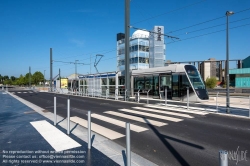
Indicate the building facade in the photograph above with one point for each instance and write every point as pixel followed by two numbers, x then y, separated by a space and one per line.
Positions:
pixel 157 47
pixel 240 78
pixel 211 68
pixel 147 49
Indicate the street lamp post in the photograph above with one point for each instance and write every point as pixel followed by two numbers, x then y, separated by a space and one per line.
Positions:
pixel 228 13
pixel 44 78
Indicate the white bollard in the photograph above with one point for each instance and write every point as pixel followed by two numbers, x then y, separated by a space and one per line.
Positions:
pixel 188 98
pixel 249 107
pixel 138 96
pixel 147 95
pixel 217 101
pixel 125 95
pixel 116 93
pixel 223 158
pixel 68 116
pixel 55 121
pixel 89 129
pixel 166 97
pixel 128 151
pixel 147 98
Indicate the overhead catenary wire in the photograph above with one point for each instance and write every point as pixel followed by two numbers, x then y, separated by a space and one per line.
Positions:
pixel 105 52
pixel 155 32
pixel 169 42
pixel 212 27
pixel 205 22
pixel 171 38
pixel 208 33
pixel 169 12
pixel 90 53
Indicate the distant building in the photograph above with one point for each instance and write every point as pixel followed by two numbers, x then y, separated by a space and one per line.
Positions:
pixel 240 78
pixel 146 49
pixel 211 68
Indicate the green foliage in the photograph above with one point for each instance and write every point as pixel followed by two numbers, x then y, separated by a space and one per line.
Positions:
pixel 23 80
pixel 1 78
pixel 211 82
pixel 20 81
pixel 7 82
pixel 13 78
pixel 37 77
pixel 225 84
pixel 6 77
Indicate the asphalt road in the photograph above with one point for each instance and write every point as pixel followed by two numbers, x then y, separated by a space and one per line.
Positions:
pixel 192 141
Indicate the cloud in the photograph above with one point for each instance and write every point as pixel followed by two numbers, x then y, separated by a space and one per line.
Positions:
pixel 78 43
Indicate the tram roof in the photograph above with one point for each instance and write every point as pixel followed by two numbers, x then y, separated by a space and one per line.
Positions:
pixel 165 69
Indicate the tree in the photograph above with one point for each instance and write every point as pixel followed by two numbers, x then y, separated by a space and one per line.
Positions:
pixel 6 77
pixel 211 82
pixel 27 78
pixel 7 82
pixel 13 78
pixel 1 78
pixel 21 80
pixel 37 77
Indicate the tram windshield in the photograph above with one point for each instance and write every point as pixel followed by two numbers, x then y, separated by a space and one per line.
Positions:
pixel 194 77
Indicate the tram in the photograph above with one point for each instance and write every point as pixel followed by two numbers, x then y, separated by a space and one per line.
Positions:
pixel 175 79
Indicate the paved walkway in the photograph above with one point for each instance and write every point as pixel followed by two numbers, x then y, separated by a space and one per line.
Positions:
pixel 27 135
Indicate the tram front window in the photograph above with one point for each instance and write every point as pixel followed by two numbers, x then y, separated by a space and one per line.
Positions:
pixel 194 77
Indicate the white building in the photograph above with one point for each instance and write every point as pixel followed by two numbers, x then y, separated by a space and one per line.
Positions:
pixel 147 49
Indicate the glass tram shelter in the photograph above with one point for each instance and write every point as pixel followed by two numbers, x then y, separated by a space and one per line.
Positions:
pixel 112 83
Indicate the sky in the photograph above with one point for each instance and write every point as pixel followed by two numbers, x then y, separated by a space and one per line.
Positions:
pixel 80 29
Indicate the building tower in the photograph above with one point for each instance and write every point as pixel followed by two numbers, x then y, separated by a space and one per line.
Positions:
pixel 146 49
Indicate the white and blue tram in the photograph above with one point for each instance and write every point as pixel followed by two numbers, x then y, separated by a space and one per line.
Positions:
pixel 176 78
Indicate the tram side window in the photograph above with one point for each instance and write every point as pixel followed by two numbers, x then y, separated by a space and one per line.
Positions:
pixel 194 77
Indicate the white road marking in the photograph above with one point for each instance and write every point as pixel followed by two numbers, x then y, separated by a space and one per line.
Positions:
pixel 177 109
pixel 97 128
pixel 192 108
pixel 19 92
pixel 163 112
pixel 56 138
pixel 118 123
pixel 139 119
pixel 152 115
pixel 24 92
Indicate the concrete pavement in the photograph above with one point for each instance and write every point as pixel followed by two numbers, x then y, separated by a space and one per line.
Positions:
pixel 18 134
pixel 185 132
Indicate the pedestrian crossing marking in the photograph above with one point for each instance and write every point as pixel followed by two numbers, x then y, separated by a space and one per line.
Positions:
pixel 177 109
pixel 97 128
pixel 163 112
pixel 139 119
pixel 24 92
pixel 118 123
pixel 152 115
pixel 19 92
pixel 56 138
pixel 190 108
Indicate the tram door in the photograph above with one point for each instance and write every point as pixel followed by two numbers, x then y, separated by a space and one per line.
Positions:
pixel 165 83
pixel 175 86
